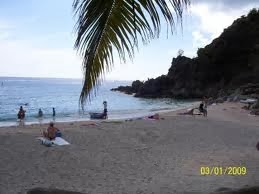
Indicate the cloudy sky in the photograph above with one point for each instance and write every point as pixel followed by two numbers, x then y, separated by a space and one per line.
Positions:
pixel 37 37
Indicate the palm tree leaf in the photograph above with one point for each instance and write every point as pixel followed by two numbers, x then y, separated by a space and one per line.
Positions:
pixel 106 25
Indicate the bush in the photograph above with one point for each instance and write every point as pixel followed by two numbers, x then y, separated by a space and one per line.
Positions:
pixel 253 15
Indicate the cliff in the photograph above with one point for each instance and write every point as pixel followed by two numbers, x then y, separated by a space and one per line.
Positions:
pixel 220 68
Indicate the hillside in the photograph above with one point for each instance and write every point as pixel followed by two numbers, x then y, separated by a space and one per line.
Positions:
pixel 229 62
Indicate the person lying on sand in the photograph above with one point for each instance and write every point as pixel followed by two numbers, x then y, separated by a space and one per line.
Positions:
pixel 188 112
pixel 51 132
pixel 155 116
pixel 151 117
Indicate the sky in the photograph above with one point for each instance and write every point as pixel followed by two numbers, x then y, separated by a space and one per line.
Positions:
pixel 37 38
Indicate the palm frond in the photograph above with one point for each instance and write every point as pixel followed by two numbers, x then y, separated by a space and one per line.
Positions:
pixel 107 25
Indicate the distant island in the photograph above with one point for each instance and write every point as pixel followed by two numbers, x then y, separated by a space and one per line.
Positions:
pixel 226 68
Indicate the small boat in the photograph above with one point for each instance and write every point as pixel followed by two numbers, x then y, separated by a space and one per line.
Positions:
pixel 94 115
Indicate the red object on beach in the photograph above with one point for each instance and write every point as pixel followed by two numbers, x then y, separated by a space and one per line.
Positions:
pixel 257 146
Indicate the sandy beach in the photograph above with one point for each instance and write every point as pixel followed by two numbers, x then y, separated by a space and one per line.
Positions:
pixel 141 156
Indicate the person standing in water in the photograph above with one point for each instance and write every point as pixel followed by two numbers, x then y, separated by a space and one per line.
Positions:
pixel 40 114
pixel 105 110
pixel 21 113
pixel 53 112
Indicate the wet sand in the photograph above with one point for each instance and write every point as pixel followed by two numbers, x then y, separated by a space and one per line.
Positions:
pixel 141 156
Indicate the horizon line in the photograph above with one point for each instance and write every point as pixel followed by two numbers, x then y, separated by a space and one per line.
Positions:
pixel 35 77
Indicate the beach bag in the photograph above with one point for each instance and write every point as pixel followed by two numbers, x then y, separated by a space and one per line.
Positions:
pixel 58 133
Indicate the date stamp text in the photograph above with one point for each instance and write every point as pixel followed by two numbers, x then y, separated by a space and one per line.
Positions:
pixel 220 170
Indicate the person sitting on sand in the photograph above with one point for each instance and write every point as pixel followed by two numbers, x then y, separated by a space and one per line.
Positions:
pixel 51 132
pixel 21 113
pixel 105 116
pixel 40 114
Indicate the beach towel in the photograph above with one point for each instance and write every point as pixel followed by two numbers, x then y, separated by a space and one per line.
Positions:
pixel 57 141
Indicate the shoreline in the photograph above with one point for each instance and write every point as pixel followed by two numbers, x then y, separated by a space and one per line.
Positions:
pixel 67 119
pixel 240 116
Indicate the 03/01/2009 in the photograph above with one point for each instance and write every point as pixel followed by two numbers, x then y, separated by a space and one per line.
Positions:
pixel 220 170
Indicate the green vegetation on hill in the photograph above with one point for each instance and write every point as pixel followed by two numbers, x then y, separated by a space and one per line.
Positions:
pixel 230 61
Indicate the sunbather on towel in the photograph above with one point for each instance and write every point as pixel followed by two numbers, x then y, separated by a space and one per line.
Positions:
pixel 51 132
pixel 188 112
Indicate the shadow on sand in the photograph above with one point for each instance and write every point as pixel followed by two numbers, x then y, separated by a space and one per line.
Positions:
pixel 50 191
pixel 247 190
pixel 251 190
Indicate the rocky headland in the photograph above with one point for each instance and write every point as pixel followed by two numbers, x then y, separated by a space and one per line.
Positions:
pixel 226 69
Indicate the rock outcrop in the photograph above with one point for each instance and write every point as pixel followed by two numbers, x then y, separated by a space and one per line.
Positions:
pixel 228 64
pixel 134 88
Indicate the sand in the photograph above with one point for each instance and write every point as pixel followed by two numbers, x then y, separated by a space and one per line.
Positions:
pixel 139 156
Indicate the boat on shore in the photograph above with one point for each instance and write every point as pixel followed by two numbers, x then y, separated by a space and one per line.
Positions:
pixel 94 115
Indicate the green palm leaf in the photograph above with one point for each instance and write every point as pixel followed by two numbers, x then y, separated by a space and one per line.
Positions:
pixel 107 25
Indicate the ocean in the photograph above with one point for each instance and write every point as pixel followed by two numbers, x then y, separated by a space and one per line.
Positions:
pixel 63 95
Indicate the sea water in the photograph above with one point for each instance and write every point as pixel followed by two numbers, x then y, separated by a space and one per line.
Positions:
pixel 63 95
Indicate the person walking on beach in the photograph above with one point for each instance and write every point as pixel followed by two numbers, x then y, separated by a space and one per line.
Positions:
pixel 203 107
pixel 53 112
pixel 105 110
pixel 40 114
pixel 205 102
pixel 21 113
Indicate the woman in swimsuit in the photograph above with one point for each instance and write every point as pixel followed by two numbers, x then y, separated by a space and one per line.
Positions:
pixel 51 132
